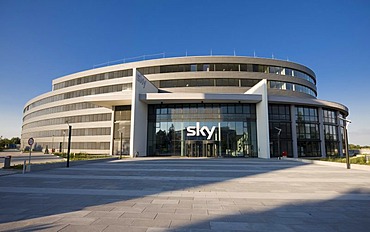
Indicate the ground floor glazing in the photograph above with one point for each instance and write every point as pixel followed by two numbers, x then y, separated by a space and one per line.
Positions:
pixel 229 130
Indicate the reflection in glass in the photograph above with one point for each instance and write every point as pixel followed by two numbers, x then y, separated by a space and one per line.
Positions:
pixel 231 133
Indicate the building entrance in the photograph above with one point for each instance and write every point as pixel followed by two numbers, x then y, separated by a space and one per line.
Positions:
pixel 202 130
pixel 196 148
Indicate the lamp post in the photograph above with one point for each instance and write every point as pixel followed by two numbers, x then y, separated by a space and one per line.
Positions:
pixel 64 135
pixel 120 143
pixel 52 145
pixel 279 132
pixel 345 123
pixel 69 142
pixel 121 135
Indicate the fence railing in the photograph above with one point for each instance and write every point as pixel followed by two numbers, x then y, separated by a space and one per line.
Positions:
pixel 168 55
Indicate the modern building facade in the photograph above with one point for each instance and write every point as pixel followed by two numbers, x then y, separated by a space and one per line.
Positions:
pixel 201 106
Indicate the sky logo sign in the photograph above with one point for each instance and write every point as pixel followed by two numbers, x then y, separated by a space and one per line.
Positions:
pixel 197 131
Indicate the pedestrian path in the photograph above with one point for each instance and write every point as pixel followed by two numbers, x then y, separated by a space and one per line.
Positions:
pixel 172 194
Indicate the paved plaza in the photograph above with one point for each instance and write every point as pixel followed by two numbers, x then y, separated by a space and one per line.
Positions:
pixel 184 194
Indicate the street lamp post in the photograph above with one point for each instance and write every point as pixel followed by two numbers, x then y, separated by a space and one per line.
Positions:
pixel 120 138
pixel 64 135
pixel 52 145
pixel 279 132
pixel 121 134
pixel 69 142
pixel 345 123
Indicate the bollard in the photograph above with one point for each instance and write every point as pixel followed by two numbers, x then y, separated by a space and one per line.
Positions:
pixel 7 161
pixel 24 166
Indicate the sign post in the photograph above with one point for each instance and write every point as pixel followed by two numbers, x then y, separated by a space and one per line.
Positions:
pixel 30 142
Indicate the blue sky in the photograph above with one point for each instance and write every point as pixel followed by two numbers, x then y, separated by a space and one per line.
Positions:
pixel 41 40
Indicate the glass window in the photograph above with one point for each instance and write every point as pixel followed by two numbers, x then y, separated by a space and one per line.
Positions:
pixel 246 68
pixel 248 82
pixel 329 116
pixel 238 134
pixel 306 114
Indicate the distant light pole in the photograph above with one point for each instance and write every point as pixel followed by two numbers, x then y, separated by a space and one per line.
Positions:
pixel 64 135
pixel 279 132
pixel 52 145
pixel 120 138
pixel 69 142
pixel 345 122
pixel 121 135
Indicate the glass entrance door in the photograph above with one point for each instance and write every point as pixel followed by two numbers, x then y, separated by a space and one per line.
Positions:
pixel 196 148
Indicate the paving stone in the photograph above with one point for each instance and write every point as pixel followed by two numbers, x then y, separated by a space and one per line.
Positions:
pixel 115 228
pixel 160 210
pixel 145 215
pixel 113 221
pixel 172 216
pixel 152 223
pixel 80 213
pixel 229 226
pixel 267 227
pixel 102 214
pixel 207 206
pixel 165 202
pixel 172 194
pixel 178 206
pixel 100 208
pixel 76 221
pixel 82 228
pixel 128 209
pixel 191 211
pixel 178 223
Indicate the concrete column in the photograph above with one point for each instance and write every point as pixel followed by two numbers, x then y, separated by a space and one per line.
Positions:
pixel 139 114
pixel 294 131
pixel 263 136
pixel 322 133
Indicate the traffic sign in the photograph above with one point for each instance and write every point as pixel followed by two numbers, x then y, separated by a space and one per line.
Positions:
pixel 31 141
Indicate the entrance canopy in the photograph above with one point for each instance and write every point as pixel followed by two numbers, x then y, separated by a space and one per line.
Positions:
pixel 168 98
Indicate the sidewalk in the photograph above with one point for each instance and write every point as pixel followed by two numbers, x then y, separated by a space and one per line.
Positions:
pixel 36 157
pixel 171 194
pixel 333 164
pixel 58 164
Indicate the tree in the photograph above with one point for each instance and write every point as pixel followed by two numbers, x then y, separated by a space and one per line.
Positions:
pixel 15 140
pixel 4 142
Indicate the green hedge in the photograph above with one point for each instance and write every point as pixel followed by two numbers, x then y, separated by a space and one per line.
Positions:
pixel 353 160
pixel 80 156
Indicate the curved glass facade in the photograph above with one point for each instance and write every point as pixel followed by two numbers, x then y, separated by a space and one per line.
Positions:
pixel 202 130
pixel 236 67
pixel 331 132
pixel 62 108
pixel 198 82
pixel 308 133
pixel 79 93
pixel 93 78
pixel 164 114
pixel 291 87
pixel 280 130
pixel 188 68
